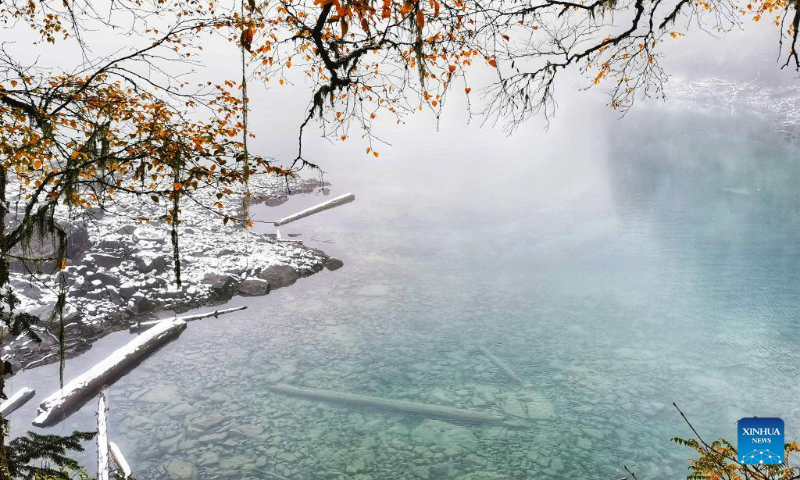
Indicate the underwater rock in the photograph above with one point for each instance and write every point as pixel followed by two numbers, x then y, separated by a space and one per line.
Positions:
pixel 179 469
pixel 160 393
pixel 539 408
pixel 482 476
pixel 213 437
pixel 512 406
pixel 248 431
pixel 209 458
pixel 356 466
pixel 421 471
pixel 443 434
pixel 374 290
pixel 205 423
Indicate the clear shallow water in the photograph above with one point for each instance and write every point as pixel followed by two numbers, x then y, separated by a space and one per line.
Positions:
pixel 616 266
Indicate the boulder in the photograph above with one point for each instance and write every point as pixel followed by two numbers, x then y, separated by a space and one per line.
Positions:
pixel 279 275
pixel 104 278
pixel 254 287
pixel 126 230
pixel 104 260
pixel 222 285
pixel 334 264
pixel 139 304
pixel 148 264
pixel 78 242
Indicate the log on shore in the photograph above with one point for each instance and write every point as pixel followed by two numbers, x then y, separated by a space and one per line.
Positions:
pixel 501 365
pixel 17 400
pixel 425 410
pixel 340 200
pixel 187 318
pixel 119 460
pixel 74 394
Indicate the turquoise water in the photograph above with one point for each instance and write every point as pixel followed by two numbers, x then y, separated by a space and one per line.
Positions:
pixel 614 266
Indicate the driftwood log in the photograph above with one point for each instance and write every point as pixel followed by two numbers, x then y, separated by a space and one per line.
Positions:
pixel 102 439
pixel 74 394
pixel 17 400
pixel 119 460
pixel 501 365
pixel 421 409
pixel 188 318
pixel 340 200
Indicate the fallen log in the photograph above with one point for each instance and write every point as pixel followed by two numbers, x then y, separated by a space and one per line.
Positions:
pixel 421 409
pixel 187 318
pixel 119 460
pixel 74 394
pixel 17 400
pixel 102 439
pixel 340 200
pixel 501 365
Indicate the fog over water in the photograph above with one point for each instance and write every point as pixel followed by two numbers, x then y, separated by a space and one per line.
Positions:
pixel 615 264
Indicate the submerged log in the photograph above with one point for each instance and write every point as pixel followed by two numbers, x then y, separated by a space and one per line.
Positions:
pixel 501 365
pixel 421 409
pixel 188 318
pixel 340 200
pixel 17 400
pixel 102 439
pixel 74 394
pixel 119 460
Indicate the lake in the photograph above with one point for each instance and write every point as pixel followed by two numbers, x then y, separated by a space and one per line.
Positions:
pixel 614 266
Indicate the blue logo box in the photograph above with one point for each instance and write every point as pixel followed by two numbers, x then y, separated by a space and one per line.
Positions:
pixel 760 441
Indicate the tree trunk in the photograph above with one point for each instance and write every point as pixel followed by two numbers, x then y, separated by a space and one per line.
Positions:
pixel 5 474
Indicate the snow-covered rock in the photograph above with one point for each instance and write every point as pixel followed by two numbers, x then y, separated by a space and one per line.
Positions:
pixel 119 269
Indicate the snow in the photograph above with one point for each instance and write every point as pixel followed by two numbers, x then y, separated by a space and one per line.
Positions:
pixel 17 400
pixel 55 407
pixel 122 464
pixel 119 268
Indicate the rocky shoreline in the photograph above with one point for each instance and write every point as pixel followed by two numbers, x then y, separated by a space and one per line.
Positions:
pixel 120 270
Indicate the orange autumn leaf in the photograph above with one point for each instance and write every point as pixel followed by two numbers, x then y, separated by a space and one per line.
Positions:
pixel 176 186
pixel 247 38
pixel 467 90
